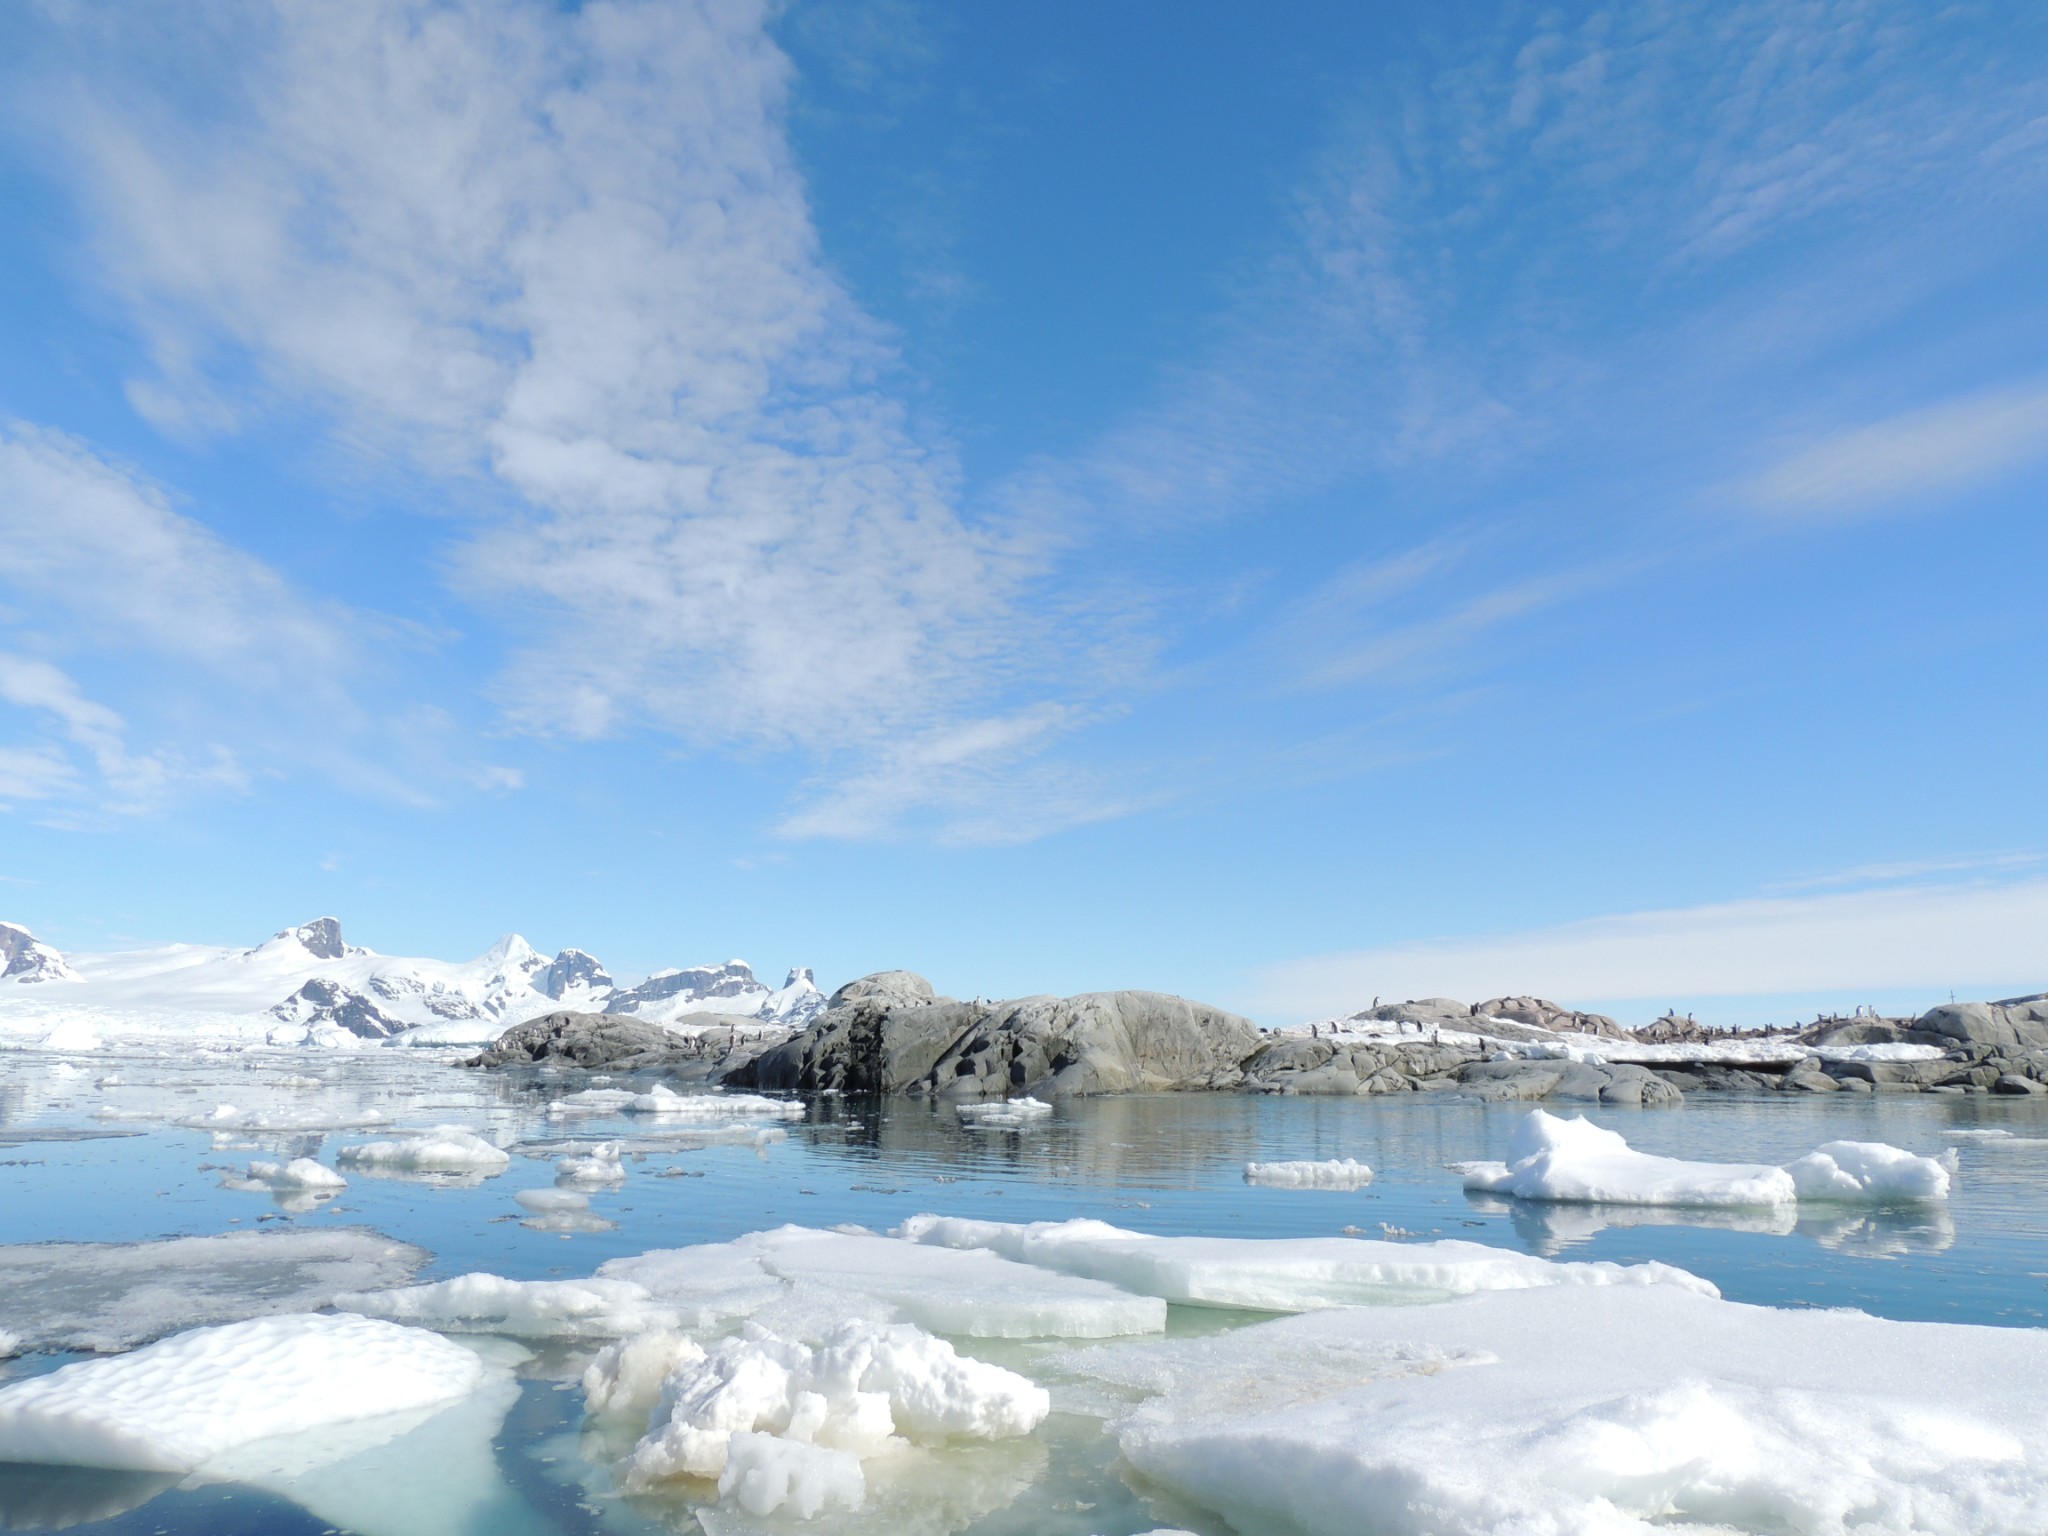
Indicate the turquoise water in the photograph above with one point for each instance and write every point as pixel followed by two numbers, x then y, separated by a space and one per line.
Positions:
pixel 1166 1164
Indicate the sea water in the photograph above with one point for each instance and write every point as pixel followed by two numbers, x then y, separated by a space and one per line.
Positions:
pixel 115 1148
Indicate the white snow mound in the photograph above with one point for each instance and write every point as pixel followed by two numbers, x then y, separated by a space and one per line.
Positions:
pixel 528 1309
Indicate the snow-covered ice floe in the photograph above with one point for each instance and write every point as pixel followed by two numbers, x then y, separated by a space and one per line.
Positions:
pixel 1553 1158
pixel 227 1117
pixel 302 1175
pixel 601 1164
pixel 664 1103
pixel 1004 1114
pixel 111 1296
pixel 804 1280
pixel 188 1401
pixel 530 1309
pixel 784 1426
pixel 1567 1412
pixel 444 1149
pixel 1296 1274
pixel 1330 1173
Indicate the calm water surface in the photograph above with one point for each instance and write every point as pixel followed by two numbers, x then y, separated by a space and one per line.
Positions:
pixel 1166 1164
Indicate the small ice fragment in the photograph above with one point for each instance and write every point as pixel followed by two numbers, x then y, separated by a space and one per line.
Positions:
pixel 1004 1114
pixel 552 1199
pixel 1333 1173
pixel 600 1165
pixel 301 1173
pixel 444 1149
pixel 178 1404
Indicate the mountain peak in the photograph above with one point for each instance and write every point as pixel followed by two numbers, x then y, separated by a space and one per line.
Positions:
pixel 25 958
pixel 320 938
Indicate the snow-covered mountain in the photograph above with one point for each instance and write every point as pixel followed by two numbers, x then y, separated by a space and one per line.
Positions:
pixel 307 983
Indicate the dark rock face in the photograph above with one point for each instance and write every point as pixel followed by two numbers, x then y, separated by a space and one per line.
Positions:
pixel 1100 1042
pixel 730 980
pixel 717 1042
pixel 23 958
pixel 321 937
pixel 322 1001
pixel 573 968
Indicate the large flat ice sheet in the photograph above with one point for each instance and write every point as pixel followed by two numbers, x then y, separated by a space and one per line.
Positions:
pixel 187 1401
pixel 1571 1412
pixel 1295 1274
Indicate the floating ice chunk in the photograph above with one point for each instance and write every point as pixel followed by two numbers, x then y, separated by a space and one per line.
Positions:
pixel 723 1108
pixel 856 1393
pixel 600 1165
pixel 964 1293
pixel 1004 1114
pixel 590 1101
pixel 770 1474
pixel 444 1149
pixel 626 1377
pixel 1563 1411
pixel 177 1405
pixel 301 1174
pixel 1297 1274
pixel 109 1296
pixel 552 1199
pixel 526 1309
pixel 228 1118
pixel 1333 1173
pixel 10 1344
pixel 73 1034
pixel 1552 1158
pixel 1868 1170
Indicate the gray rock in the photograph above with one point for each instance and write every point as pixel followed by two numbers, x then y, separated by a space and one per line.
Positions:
pixel 2013 1083
pixel 1807 1077
pixel 325 1001
pixel 733 979
pixel 715 1043
pixel 2021 1021
pixel 1881 1074
pixel 1100 1042
pixel 1303 1064
pixel 1420 1010
pixel 574 968
pixel 1541 1013
pixel 321 937
pixel 896 988
pixel 1621 1083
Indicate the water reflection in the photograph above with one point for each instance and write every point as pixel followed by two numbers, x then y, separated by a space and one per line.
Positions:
pixel 57 1498
pixel 1549 1227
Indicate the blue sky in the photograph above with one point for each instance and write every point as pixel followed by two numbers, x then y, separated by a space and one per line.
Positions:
pixel 1283 505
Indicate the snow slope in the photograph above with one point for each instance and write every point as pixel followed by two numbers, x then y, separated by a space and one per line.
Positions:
pixel 309 986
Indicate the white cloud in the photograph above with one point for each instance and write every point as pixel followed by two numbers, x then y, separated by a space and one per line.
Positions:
pixel 101 543
pixel 129 782
pixel 1918 451
pixel 1965 936
pixel 567 250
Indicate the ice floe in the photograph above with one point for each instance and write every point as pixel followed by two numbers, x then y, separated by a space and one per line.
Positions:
pixel 1330 1173
pixel 1278 1274
pixel 1004 1114
pixel 664 1103
pixel 227 1117
pixel 808 1276
pixel 1616 1413
pixel 784 1425
pixel 187 1401
pixel 601 1164
pixel 528 1309
pixel 444 1149
pixel 303 1174
pixel 1554 1158
pixel 110 1296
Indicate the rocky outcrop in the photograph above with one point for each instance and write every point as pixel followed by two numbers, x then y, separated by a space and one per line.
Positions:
pixel 325 1001
pixel 2016 1021
pixel 905 989
pixel 714 1043
pixel 320 938
pixel 573 969
pixel 24 958
pixel 1583 1081
pixel 1316 1065
pixel 1541 1013
pixel 888 1035
pixel 733 979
